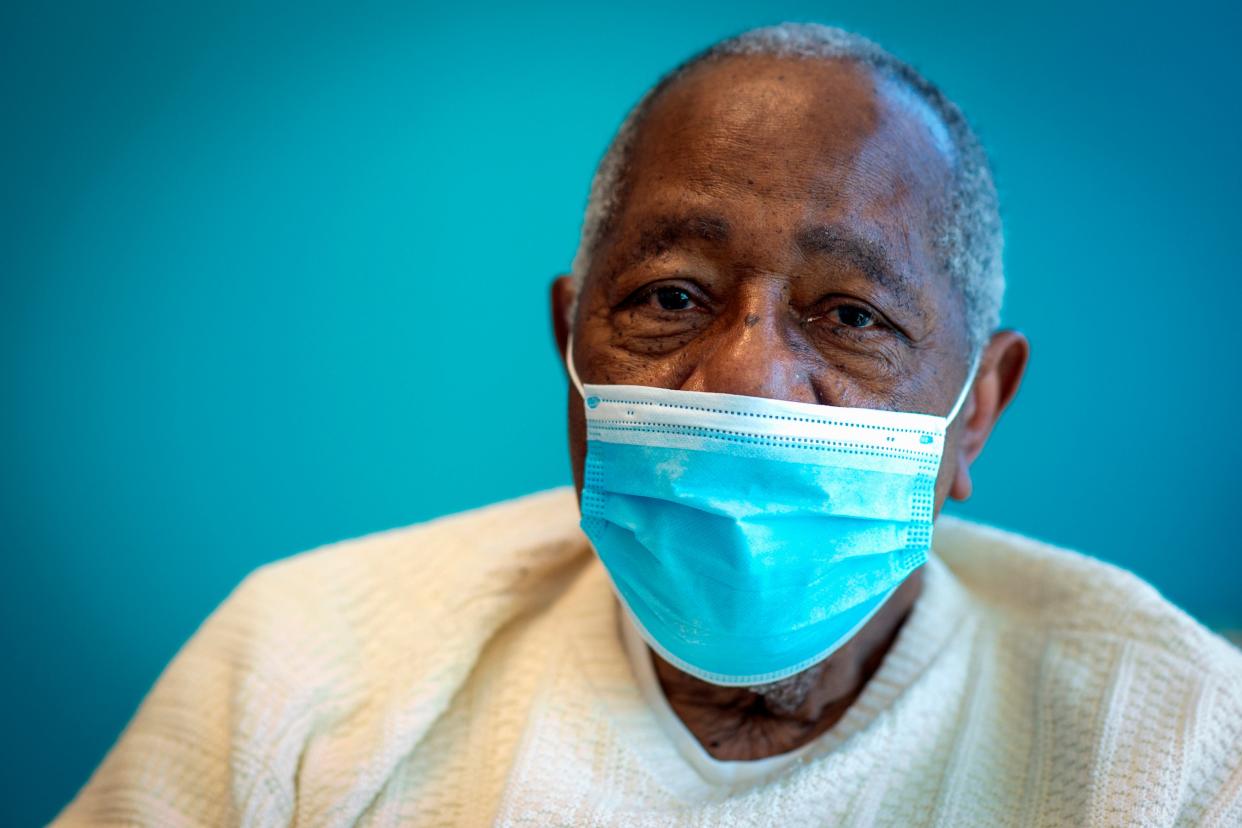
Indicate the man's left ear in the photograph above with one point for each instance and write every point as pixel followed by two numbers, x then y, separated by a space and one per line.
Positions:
pixel 1000 373
pixel 562 296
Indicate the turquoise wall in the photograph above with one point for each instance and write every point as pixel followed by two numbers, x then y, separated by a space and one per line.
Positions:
pixel 265 272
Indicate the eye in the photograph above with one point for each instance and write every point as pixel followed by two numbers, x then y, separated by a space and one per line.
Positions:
pixel 845 316
pixel 853 316
pixel 672 298
pixel 665 298
pixel 850 315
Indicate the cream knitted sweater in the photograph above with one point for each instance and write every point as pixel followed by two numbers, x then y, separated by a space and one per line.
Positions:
pixel 470 671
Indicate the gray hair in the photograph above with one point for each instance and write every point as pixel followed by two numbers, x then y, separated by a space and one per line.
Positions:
pixel 968 238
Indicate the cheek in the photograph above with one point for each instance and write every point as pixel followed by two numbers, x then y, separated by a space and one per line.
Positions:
pixel 948 469
pixel 577 438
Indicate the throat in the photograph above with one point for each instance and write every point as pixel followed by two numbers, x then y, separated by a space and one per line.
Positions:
pixel 749 723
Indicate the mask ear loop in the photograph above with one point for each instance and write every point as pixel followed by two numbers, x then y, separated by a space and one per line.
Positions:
pixel 569 365
pixel 965 392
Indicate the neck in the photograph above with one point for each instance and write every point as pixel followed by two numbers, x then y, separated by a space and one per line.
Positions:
pixel 756 722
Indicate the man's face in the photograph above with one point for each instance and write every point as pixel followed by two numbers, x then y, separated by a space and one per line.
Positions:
pixel 775 239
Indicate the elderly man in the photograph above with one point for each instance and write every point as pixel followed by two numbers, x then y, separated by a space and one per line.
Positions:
pixel 781 339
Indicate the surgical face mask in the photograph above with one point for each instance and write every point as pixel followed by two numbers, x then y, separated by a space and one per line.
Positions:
pixel 749 538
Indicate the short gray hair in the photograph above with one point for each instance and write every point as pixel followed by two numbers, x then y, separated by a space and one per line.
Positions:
pixel 969 238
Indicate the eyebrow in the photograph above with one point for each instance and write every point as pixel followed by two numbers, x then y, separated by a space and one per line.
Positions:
pixel 868 256
pixel 667 231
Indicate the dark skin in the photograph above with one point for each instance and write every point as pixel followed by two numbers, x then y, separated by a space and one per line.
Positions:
pixel 774 239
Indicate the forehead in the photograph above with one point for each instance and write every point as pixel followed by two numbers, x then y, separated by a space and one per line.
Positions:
pixel 824 139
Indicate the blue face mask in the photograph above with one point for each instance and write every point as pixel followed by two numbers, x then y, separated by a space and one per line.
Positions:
pixel 749 538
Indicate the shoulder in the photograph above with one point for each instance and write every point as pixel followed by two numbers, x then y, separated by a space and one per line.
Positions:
pixel 1067 593
pixel 427 593
pixel 1137 705
pixel 327 659
pixel 403 600
pixel 506 545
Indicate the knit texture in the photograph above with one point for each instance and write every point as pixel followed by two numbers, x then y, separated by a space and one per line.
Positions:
pixel 470 671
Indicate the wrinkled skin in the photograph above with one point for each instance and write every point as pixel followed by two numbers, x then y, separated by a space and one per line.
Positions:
pixel 774 239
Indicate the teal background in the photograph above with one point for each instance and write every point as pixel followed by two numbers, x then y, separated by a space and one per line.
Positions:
pixel 276 276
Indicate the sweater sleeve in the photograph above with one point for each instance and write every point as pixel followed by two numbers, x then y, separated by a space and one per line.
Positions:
pixel 1214 785
pixel 322 672
pixel 215 741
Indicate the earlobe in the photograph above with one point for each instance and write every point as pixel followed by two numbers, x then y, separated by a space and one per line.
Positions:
pixel 966 447
pixel 962 487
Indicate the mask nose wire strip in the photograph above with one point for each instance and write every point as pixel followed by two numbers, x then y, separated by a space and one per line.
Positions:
pixel 957 406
